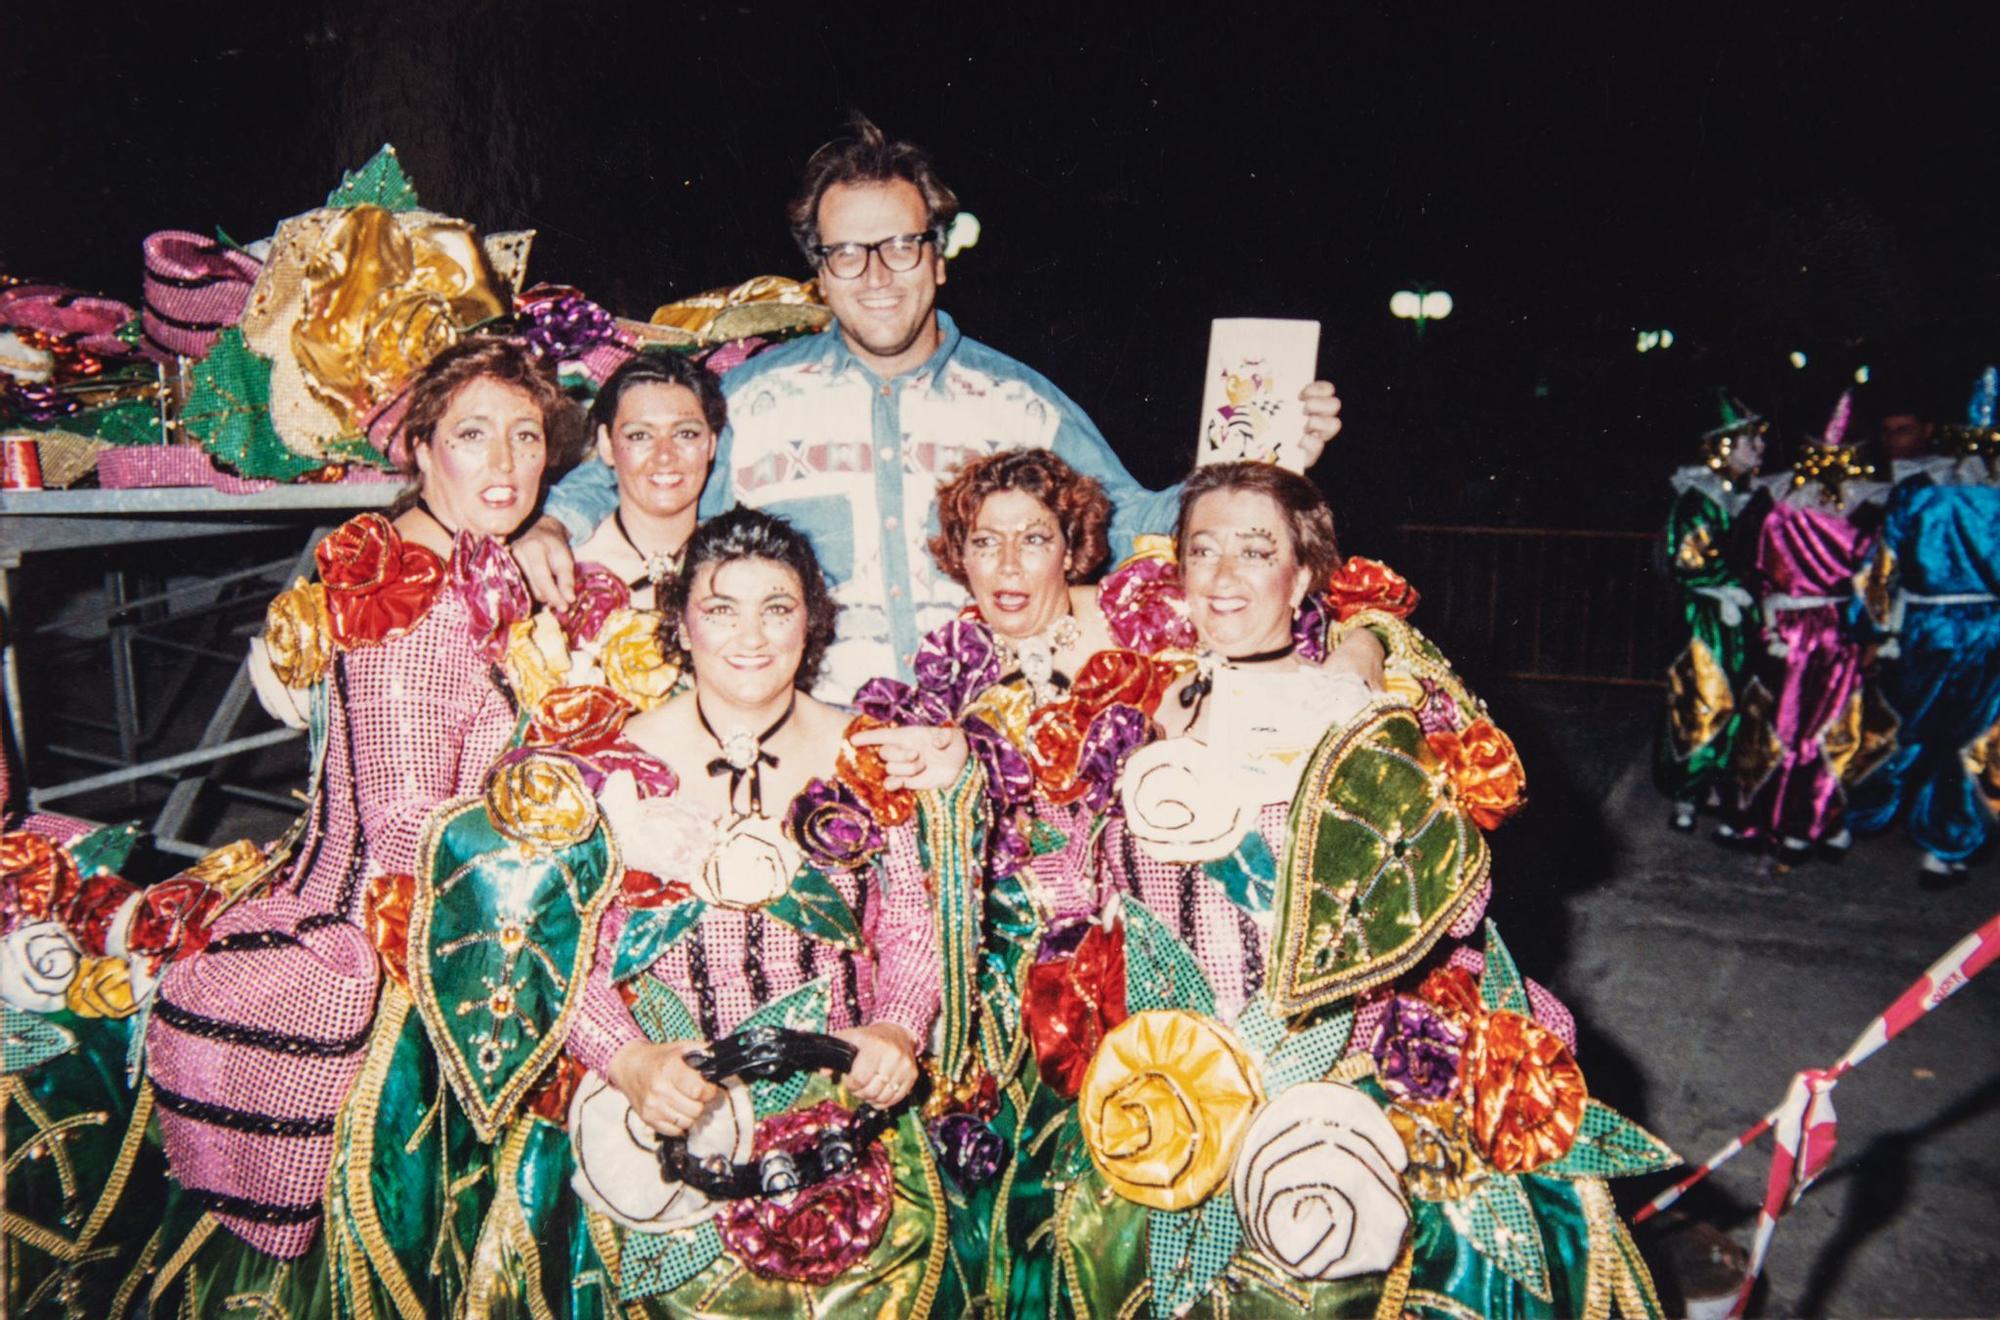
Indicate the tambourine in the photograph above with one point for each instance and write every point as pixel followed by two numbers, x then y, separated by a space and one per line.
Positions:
pixel 764 1054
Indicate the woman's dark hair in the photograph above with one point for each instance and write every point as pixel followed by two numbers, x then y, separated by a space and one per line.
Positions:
pixel 1307 516
pixel 753 534
pixel 661 369
pixel 1078 503
pixel 508 361
pixel 866 155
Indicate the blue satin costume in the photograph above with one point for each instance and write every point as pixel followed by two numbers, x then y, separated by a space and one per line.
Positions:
pixel 1941 540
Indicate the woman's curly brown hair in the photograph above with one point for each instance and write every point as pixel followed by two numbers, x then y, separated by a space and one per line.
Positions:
pixel 1079 504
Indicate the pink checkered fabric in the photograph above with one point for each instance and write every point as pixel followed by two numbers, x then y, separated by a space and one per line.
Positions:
pixel 142 467
pixel 195 288
pixel 735 962
pixel 411 723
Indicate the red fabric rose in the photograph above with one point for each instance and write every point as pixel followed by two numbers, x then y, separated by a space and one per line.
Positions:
pixel 581 719
pixel 172 920
pixel 1369 584
pixel 37 879
pixel 1454 991
pixel 89 915
pixel 378 586
pixel 598 593
pixel 1486 774
pixel 643 889
pixel 1071 1002
pixel 823 1231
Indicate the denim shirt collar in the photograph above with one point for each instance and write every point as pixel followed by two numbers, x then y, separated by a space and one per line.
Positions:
pixel 839 357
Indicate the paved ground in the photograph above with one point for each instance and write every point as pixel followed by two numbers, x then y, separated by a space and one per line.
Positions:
pixel 1702 979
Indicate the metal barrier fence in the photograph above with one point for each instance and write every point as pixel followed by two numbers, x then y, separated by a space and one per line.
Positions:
pixel 1542 603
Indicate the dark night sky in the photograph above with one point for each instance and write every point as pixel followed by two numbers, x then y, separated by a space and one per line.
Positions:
pixel 1801 176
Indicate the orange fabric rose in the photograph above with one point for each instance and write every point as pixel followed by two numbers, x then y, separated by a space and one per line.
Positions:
pixel 1111 678
pixel 1055 749
pixel 1524 1091
pixel 578 719
pixel 1486 774
pixel 37 878
pixel 1369 584
pixel 863 770
pixel 378 586
pixel 1454 992
pixel 385 915
pixel 549 1099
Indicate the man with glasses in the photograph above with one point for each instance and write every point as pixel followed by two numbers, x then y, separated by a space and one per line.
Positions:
pixel 848 435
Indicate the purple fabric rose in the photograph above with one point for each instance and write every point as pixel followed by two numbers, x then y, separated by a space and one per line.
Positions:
pixel 1010 780
pixel 1439 712
pixel 565 326
pixel 891 702
pixel 598 592
pixel 1309 628
pixel 485 577
pixel 957 662
pixel 1417 1049
pixel 1113 736
pixel 830 824
pixel 968 1150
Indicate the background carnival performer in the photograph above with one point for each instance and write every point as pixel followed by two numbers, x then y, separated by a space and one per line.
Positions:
pixel 848 433
pixel 1802 714
pixel 254 1043
pixel 1703 684
pixel 1935 588
pixel 1390 1158
pixel 655 422
pixel 761 889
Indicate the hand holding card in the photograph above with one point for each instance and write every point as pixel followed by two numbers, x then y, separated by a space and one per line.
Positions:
pixel 1250 399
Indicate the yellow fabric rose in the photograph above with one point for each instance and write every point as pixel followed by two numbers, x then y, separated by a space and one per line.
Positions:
pixel 1006 707
pixel 1164 1105
pixel 102 989
pixel 541 802
pixel 635 665
pixel 298 635
pixel 230 867
pixel 537 658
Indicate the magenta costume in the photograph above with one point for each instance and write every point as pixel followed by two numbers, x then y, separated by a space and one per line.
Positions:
pixel 254 1043
pixel 1807 554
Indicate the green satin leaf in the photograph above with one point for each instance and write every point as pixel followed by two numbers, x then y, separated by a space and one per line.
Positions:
pixel 650 1263
pixel 1187 1251
pixel 804 1009
pixel 103 851
pixel 1259 1028
pixel 1610 1145
pixel 1010 911
pixel 1045 838
pixel 662 1014
pixel 501 940
pixel 1377 863
pixel 1160 971
pixel 649 932
pixel 1249 875
pixel 1499 1221
pixel 228 411
pixel 815 909
pixel 28 1040
pixel 1500 985
pixel 381 182
pixel 1309 1055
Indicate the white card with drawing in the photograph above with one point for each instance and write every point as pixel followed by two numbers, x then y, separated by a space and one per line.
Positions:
pixel 1250 397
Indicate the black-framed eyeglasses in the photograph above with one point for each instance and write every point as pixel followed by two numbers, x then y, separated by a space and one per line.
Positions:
pixel 846 261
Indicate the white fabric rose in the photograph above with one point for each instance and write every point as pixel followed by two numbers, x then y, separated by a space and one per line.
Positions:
pixel 752 866
pixel 289 706
pixel 1177 807
pixel 37 963
pixel 663 836
pixel 618 1160
pixel 1317 1183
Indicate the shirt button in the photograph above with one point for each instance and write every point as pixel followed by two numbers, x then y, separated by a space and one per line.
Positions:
pixel 885 391
pixel 890 522
pixel 888 454
pixel 897 592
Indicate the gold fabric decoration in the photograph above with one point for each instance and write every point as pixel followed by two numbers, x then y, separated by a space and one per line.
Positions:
pixel 536 660
pixel 1862 738
pixel 1164 1106
pixel 1981 759
pixel 1697 549
pixel 1444 1165
pixel 541 802
pixel 635 665
pixel 230 868
pixel 1699 702
pixel 1875 584
pixel 299 634
pixel 1005 706
pixel 1757 751
pixel 102 988
pixel 762 305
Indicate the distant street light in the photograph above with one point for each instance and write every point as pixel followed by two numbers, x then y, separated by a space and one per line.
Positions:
pixel 1861 374
pixel 1798 359
pixel 1420 305
pixel 1652 339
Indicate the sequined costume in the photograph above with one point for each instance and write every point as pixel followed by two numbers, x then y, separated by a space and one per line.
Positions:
pixel 707 939
pixel 1802 710
pixel 255 1044
pixel 1704 681
pixel 1935 590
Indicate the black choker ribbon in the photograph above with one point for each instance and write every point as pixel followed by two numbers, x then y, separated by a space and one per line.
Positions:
pixel 746 763
pixel 659 567
pixel 424 507
pixel 1197 690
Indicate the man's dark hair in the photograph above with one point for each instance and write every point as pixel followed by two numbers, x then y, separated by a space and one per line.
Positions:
pixel 867 156
pixel 661 369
